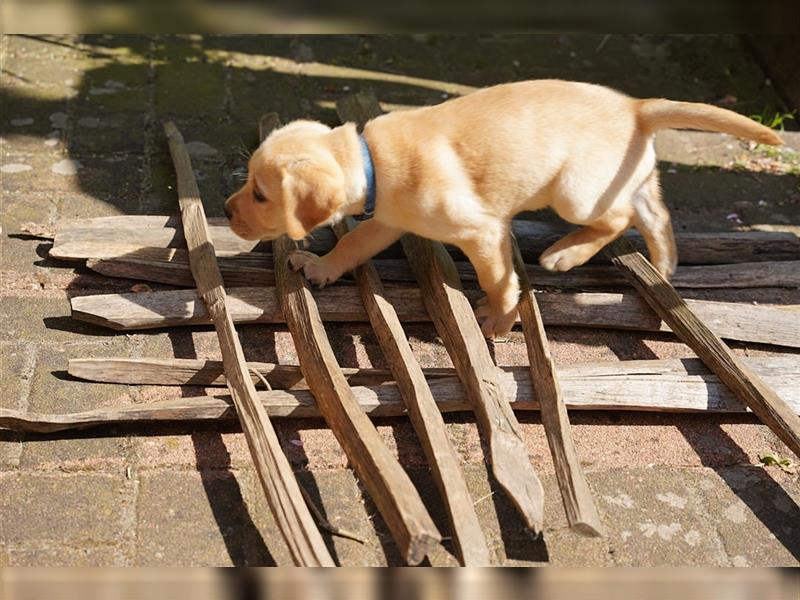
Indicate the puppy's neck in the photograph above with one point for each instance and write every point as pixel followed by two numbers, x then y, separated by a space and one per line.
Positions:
pixel 346 148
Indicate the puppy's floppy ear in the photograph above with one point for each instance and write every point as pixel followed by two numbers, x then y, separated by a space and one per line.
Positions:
pixel 311 195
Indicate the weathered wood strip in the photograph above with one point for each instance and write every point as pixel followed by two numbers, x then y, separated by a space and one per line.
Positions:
pixel 684 385
pixel 387 483
pixel 85 238
pixel 444 463
pixel 148 310
pixel 170 265
pixel 579 506
pixel 190 371
pixel 744 382
pixel 277 479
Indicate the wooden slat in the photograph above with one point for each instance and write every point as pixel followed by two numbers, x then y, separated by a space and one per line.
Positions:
pixel 453 318
pixel 170 265
pixel 579 506
pixel 744 382
pixel 387 483
pixel 189 371
pixel 148 310
pixel 444 463
pixel 291 513
pixel 639 385
pixel 91 238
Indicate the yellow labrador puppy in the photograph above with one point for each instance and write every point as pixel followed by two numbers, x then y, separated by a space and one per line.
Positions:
pixel 460 171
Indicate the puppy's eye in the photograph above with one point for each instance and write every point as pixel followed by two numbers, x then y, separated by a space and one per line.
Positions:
pixel 258 195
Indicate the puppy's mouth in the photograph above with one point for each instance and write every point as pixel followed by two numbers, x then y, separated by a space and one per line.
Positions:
pixel 251 236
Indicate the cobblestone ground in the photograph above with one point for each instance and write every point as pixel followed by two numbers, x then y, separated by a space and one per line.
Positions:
pixel 81 137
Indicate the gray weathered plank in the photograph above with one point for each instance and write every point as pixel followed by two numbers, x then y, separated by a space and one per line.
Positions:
pixel 277 479
pixel 170 265
pixel 684 385
pixel 579 506
pixel 87 238
pixel 148 310
pixel 744 382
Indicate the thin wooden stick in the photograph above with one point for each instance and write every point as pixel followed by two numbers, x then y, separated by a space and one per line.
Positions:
pixel 467 536
pixel 280 486
pixel 744 382
pixel 148 310
pixel 99 237
pixel 387 483
pixel 579 506
pixel 682 386
pixel 453 317
pixel 170 265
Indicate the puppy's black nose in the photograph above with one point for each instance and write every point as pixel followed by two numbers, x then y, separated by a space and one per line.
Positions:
pixel 228 213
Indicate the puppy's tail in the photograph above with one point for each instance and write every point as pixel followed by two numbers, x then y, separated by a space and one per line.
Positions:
pixel 657 113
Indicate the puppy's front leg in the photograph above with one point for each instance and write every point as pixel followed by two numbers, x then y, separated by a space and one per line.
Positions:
pixel 355 248
pixel 490 255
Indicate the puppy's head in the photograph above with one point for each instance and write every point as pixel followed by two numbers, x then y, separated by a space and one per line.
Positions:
pixel 294 185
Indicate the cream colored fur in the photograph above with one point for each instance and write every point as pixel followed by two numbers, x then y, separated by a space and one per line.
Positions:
pixel 460 171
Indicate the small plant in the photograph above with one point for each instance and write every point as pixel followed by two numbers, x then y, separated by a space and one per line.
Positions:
pixel 775 121
pixel 773 460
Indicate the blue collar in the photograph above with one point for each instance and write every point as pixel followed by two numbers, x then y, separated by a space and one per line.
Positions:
pixel 369 173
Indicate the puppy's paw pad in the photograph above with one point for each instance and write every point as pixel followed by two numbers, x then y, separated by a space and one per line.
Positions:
pixel 561 260
pixel 299 259
pixel 498 326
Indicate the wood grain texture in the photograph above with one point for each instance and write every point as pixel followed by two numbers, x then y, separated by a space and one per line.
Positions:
pixel 744 382
pixel 148 310
pixel 468 539
pixel 171 265
pixel 387 483
pixel 89 238
pixel 579 506
pixel 291 513
pixel 684 385
pixel 455 322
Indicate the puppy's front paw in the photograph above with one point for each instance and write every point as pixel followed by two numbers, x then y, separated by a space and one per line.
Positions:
pixel 495 323
pixel 560 260
pixel 316 269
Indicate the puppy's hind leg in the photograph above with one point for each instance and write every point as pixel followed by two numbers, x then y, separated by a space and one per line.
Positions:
pixel 651 218
pixel 579 246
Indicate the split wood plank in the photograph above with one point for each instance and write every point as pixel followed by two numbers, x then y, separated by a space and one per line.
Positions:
pixel 88 238
pixel 444 463
pixel 170 265
pixel 454 319
pixel 684 386
pixel 201 372
pixel 289 508
pixel 148 310
pixel 579 506
pixel 387 483
pixel 781 371
pixel 744 382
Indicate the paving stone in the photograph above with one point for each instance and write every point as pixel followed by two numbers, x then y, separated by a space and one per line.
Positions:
pixel 53 391
pixel 65 556
pixel 45 320
pixel 75 510
pixel 16 368
pixel 658 517
pixel 756 513
pixel 189 518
